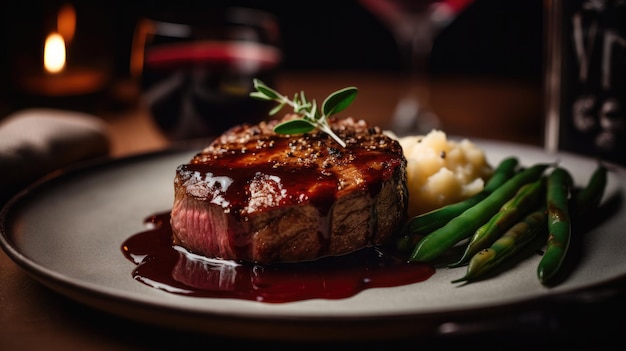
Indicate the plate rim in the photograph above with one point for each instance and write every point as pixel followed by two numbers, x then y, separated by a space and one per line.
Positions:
pixel 286 326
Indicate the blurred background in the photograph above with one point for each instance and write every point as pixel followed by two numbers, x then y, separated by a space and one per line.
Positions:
pixel 490 41
pixel 490 38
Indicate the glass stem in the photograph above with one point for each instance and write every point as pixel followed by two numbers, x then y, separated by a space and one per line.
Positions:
pixel 412 113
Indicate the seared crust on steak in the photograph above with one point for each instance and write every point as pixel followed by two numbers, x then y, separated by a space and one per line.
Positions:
pixel 258 196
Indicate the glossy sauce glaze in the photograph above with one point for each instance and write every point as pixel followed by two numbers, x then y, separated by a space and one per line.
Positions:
pixel 165 266
pixel 259 196
pixel 289 170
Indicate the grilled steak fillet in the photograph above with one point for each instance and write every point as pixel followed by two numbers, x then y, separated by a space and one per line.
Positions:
pixel 257 196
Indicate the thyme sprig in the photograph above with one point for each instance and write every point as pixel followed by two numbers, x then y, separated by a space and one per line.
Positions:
pixel 311 116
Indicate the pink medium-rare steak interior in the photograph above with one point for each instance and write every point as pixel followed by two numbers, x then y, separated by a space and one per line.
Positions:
pixel 257 196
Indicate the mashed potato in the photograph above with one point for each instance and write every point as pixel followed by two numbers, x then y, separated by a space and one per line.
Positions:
pixel 441 171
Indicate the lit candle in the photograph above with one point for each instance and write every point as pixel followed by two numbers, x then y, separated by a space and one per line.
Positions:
pixel 57 77
pixel 54 53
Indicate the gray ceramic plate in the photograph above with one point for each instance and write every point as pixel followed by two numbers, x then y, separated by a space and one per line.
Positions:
pixel 66 232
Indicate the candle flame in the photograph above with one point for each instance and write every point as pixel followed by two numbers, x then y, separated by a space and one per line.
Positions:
pixel 54 53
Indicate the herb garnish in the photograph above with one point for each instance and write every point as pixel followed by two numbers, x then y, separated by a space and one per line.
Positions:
pixel 311 116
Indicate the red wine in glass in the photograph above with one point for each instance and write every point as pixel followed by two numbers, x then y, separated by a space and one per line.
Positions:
pixel 197 75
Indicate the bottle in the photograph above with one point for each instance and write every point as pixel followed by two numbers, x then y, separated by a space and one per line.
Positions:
pixel 585 78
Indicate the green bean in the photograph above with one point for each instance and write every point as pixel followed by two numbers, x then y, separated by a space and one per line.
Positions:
pixel 590 196
pixel 559 224
pixel 510 243
pixel 524 201
pixel 436 243
pixel 427 222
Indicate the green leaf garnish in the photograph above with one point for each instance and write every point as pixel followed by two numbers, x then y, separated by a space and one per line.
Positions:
pixel 310 116
pixel 338 101
pixel 294 126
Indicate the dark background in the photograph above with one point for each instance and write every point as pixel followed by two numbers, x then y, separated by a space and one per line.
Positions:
pixel 491 38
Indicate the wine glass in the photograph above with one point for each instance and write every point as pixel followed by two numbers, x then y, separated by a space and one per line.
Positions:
pixel 196 67
pixel 414 25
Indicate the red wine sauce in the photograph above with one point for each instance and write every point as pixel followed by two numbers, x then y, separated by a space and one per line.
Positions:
pixel 165 266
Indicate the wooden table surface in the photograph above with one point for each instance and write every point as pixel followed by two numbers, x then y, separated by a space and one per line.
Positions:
pixel 33 317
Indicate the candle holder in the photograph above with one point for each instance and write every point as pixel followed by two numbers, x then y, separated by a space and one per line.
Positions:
pixel 61 57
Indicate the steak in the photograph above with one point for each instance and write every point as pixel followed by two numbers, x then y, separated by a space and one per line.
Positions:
pixel 254 195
